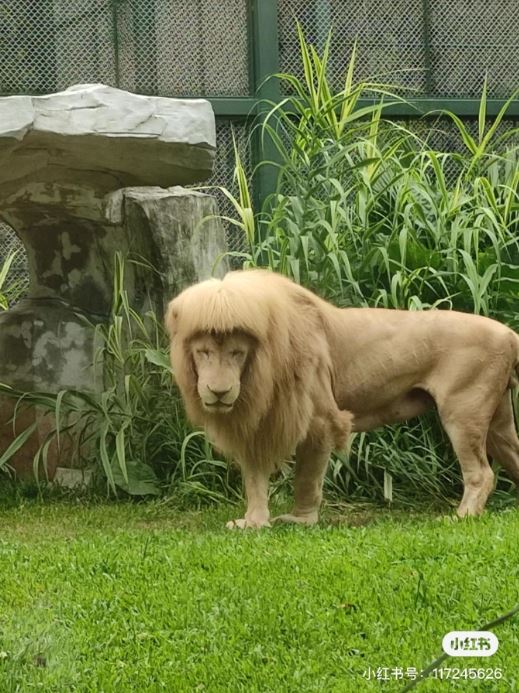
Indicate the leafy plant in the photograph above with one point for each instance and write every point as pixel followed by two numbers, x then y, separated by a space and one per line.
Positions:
pixel 367 213
pixel 134 429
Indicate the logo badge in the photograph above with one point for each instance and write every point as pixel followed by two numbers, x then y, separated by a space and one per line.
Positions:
pixel 470 643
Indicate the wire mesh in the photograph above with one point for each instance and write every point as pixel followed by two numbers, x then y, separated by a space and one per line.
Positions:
pixel 50 44
pixel 471 39
pixel 163 47
pixel 390 37
pixel 184 47
pixel 17 280
pixel 223 175
pixel 438 47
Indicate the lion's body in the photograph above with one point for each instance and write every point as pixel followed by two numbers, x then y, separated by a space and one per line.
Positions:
pixel 389 362
pixel 310 363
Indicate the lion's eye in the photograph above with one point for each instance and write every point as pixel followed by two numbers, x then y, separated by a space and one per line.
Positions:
pixel 202 352
pixel 237 353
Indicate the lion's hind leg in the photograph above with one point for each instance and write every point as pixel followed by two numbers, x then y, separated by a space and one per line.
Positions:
pixel 468 437
pixel 502 441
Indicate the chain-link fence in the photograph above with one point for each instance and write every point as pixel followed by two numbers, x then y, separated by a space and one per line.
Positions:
pixel 187 47
pixel 164 47
pixel 389 35
pixel 210 48
pixel 201 47
pixel 17 280
pixel 434 48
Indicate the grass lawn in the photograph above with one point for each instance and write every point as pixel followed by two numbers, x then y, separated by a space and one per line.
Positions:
pixel 143 597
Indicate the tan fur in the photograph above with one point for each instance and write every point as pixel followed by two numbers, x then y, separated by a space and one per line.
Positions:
pixel 286 396
pixel 310 363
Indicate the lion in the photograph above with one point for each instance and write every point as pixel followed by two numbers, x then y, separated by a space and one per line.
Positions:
pixel 269 369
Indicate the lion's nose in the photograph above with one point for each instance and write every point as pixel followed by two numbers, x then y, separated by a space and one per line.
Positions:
pixel 218 393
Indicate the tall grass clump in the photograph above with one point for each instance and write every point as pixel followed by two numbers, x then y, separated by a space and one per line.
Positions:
pixel 132 430
pixel 367 213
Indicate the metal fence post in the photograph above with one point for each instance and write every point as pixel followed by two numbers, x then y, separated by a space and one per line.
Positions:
pixel 265 62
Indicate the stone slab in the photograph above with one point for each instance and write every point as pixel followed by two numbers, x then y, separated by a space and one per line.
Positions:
pixel 104 137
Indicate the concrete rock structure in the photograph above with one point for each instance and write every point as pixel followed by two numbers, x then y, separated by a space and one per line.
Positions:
pixel 85 173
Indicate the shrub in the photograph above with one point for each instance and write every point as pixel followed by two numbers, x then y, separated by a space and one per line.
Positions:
pixel 134 432
pixel 366 213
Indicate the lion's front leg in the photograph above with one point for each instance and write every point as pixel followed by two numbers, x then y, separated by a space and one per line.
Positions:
pixel 311 461
pixel 256 483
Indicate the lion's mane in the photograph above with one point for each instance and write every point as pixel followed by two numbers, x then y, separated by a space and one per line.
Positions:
pixel 287 383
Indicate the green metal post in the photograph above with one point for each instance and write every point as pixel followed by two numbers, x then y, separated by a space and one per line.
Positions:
pixel 265 62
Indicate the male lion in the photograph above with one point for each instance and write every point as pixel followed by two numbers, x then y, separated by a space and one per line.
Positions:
pixel 267 367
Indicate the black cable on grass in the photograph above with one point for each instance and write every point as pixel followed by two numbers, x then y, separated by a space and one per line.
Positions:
pixel 434 665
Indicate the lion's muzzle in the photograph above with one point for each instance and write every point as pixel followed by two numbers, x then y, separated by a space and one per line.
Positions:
pixel 219 400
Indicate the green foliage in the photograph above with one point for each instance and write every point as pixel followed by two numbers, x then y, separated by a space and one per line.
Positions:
pixel 366 213
pixel 134 430
pixel 369 214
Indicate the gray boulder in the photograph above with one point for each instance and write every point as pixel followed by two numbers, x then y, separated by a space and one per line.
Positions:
pixel 83 174
pixel 104 139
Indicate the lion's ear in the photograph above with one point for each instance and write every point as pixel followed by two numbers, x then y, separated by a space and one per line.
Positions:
pixel 171 318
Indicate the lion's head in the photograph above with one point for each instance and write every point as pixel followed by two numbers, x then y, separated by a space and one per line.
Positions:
pixel 251 358
pixel 219 335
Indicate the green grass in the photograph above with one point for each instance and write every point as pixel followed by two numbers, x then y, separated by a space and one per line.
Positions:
pixel 142 597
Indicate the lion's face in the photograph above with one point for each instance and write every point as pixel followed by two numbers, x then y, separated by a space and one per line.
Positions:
pixel 219 363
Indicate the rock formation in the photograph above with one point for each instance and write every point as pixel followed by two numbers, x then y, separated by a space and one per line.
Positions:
pixel 85 173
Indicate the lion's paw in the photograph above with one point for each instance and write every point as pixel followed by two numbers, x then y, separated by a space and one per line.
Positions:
pixel 243 523
pixel 307 520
